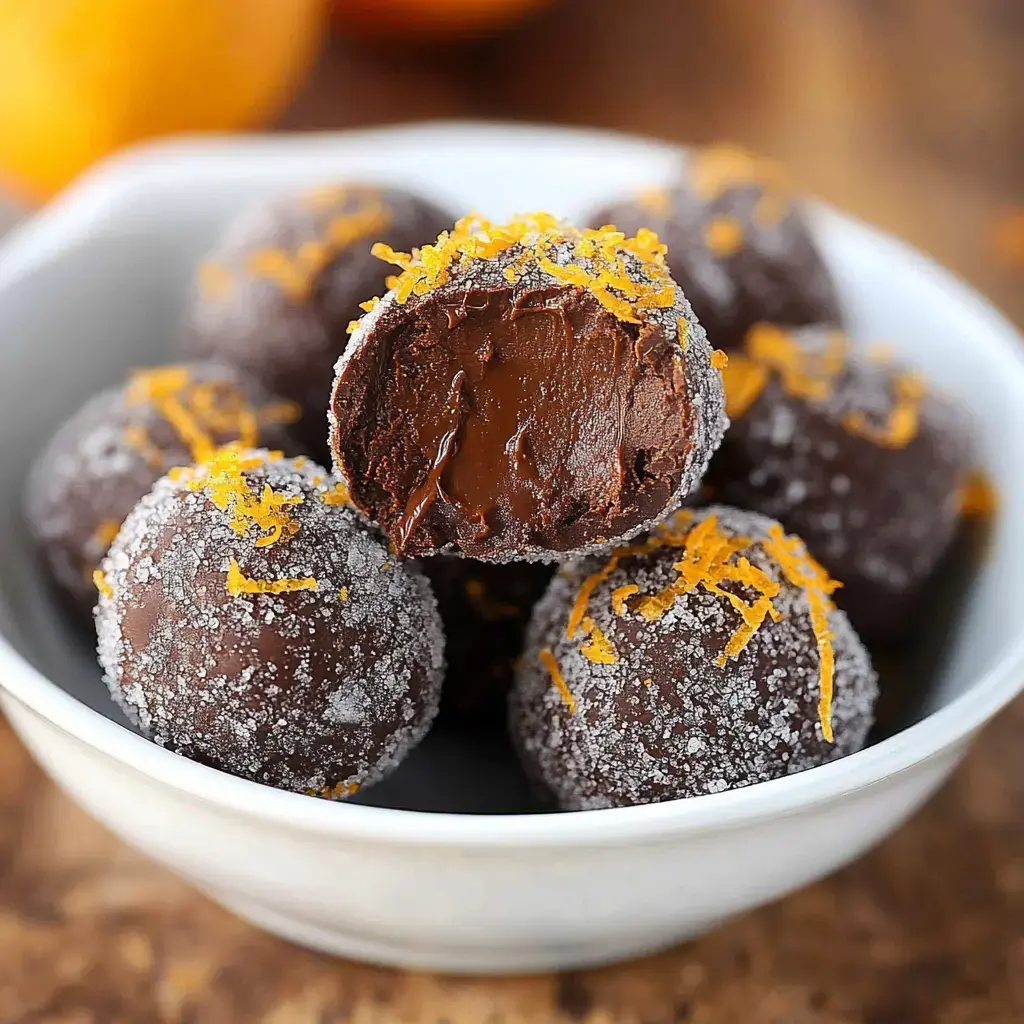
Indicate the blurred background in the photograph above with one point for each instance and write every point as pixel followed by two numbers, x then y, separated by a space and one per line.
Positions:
pixel 908 113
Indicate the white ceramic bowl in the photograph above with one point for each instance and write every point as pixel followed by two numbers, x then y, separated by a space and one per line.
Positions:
pixel 95 284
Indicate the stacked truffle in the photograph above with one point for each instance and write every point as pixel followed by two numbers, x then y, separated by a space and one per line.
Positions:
pixel 520 428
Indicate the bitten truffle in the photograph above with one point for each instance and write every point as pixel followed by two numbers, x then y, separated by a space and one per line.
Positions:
pixel 485 609
pixel 854 453
pixel 250 621
pixel 738 243
pixel 706 657
pixel 278 291
pixel 525 391
pixel 112 451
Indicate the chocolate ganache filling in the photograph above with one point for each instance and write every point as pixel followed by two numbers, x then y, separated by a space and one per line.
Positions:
pixel 512 419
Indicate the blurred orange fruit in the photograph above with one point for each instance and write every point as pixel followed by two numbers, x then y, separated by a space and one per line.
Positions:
pixel 434 18
pixel 82 77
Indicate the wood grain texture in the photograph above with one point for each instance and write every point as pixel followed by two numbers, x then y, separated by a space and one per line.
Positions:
pixel 906 112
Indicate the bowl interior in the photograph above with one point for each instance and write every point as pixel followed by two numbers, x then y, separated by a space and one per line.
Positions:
pixel 97 286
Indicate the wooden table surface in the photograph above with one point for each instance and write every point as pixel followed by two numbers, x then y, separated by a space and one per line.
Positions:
pixel 906 112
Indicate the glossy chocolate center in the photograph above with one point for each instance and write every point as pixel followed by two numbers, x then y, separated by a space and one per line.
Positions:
pixel 508 420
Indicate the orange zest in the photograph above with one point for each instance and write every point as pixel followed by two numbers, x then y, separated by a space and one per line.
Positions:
pixel 215 280
pixel 628 294
pixel 655 200
pixel 803 571
pixel 620 595
pixel 550 662
pixel 105 533
pixel 804 374
pixel 724 236
pixel 714 561
pixel 338 496
pixel 724 166
pixel 101 584
pixel 811 374
pixel 978 496
pixel 587 587
pixel 222 477
pixel 597 647
pixel 743 380
pixel 901 425
pixel 295 273
pixel 238 583
pixel 198 411
pixel 335 792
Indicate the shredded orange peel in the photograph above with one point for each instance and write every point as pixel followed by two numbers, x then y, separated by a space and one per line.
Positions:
pixel 604 249
pixel 597 647
pixel 712 560
pixel 222 477
pixel 105 533
pixel 335 792
pixel 811 375
pixel 238 583
pixel 295 272
pixel 550 662
pixel 101 583
pixel 339 495
pixel 978 497
pixel 198 410
pixel 620 595
pixel 902 423
pixel 724 166
pixel 723 236
pixel 656 200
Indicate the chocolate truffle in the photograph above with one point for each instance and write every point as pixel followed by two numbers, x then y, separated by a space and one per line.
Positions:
pixel 738 243
pixel 249 620
pixel 707 657
pixel 525 391
pixel 111 452
pixel 485 609
pixel 856 455
pixel 278 291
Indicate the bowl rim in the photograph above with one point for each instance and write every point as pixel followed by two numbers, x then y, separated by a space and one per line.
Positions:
pixel 941 733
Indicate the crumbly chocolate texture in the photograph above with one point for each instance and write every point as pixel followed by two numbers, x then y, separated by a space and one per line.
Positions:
pixel 505 414
pixel 739 244
pixel 314 690
pixel 485 609
pixel 106 456
pixel 278 290
pixel 656 712
pixel 878 510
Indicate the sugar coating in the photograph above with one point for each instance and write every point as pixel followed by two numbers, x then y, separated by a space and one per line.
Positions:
pixel 286 334
pixel 866 511
pixel 708 421
pixel 775 273
pixel 317 691
pixel 101 461
pixel 665 721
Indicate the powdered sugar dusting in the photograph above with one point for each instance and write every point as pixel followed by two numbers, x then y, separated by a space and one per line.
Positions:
pixel 664 720
pixel 306 690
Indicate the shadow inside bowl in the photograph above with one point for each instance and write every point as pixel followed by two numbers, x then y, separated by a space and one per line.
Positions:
pixel 907 672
